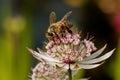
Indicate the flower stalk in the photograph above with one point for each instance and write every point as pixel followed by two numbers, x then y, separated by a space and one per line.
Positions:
pixel 70 73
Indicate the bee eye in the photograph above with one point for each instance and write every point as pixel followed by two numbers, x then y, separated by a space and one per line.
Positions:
pixel 51 34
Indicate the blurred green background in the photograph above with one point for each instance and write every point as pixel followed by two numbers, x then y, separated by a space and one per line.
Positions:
pixel 23 23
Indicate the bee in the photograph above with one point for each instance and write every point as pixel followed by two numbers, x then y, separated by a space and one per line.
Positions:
pixel 57 29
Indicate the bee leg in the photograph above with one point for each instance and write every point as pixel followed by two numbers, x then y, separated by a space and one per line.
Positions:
pixel 68 30
pixel 62 34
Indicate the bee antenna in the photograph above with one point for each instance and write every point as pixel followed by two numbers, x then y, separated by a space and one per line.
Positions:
pixel 66 16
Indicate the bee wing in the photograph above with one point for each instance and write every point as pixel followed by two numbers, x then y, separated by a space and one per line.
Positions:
pixel 66 16
pixel 52 17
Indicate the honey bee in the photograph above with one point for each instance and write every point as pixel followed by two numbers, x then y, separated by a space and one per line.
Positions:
pixel 57 29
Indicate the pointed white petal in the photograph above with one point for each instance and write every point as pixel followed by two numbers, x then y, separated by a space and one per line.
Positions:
pixel 96 60
pixel 88 66
pixel 40 51
pixel 40 56
pixel 94 55
pixel 34 54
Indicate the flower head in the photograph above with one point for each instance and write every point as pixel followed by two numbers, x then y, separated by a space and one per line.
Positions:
pixel 44 71
pixel 70 50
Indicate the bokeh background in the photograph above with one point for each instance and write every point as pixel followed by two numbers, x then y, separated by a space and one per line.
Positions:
pixel 23 23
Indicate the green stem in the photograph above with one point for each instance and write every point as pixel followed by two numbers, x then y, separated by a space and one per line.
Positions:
pixel 70 73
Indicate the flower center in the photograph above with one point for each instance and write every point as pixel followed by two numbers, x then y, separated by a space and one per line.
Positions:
pixel 69 61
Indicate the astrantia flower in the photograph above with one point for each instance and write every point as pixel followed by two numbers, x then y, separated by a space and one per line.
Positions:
pixel 70 51
pixel 65 50
pixel 44 71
